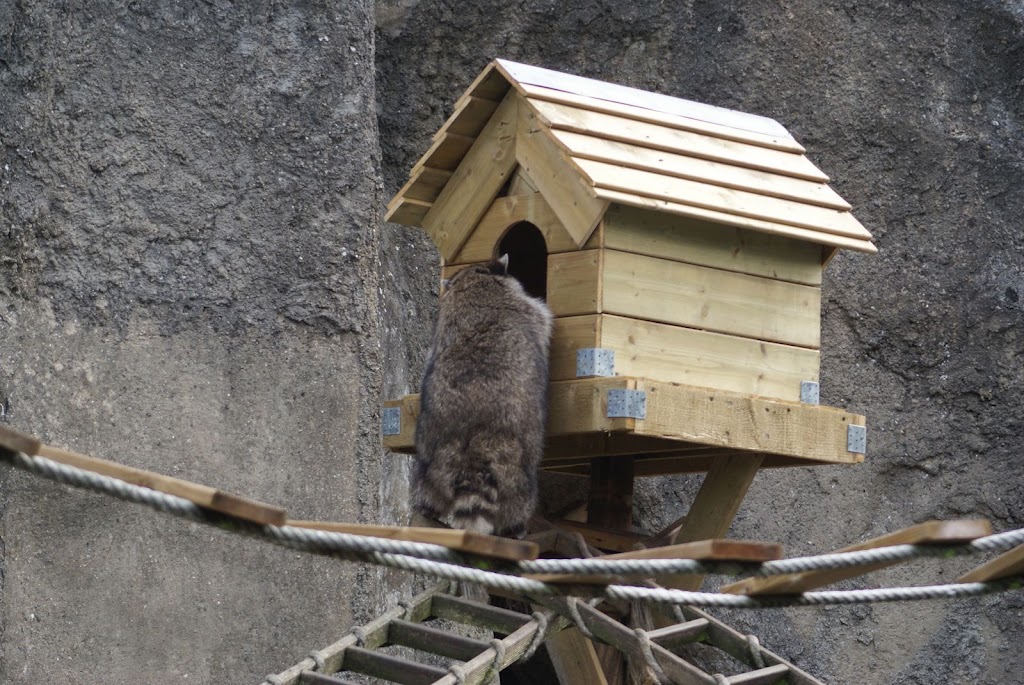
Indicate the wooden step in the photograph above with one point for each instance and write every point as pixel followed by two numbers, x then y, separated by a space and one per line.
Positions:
pixel 673 637
pixel 472 613
pixel 434 640
pixel 391 668
pixel 762 676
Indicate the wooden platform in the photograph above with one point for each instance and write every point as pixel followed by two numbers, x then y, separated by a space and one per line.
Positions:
pixel 685 429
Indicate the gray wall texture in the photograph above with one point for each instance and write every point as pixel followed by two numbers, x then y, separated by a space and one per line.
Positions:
pixel 194 279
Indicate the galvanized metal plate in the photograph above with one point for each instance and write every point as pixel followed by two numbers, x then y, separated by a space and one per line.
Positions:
pixel 627 404
pixel 810 392
pixel 595 361
pixel 857 439
pixel 391 420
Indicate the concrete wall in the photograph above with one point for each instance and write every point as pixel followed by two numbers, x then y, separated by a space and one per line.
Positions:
pixel 188 283
pixel 916 111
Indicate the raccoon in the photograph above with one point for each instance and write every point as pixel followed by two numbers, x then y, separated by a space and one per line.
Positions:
pixel 483 404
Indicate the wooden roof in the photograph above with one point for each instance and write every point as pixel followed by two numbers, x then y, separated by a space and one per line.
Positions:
pixel 586 144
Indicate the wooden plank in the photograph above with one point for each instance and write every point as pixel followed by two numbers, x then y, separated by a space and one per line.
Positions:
pixel 581 406
pixel 678 165
pixel 405 440
pixel 682 239
pixel 929 532
pixel 721 199
pixel 742 422
pixel 475 614
pixel 693 212
pixel 609 127
pixel 475 183
pixel 574 282
pixel 575 659
pixel 713 510
pixel 706 550
pixel 675 636
pixel 525 73
pixel 469 118
pixel 568 335
pixel 769 675
pixel 1007 565
pixel 774 142
pixel 521 183
pixel 201 495
pixel 505 212
pixel 446 152
pixel 681 294
pixel 19 442
pixel 564 186
pixel 460 540
pixel 426 184
pixel 391 668
pixel 435 641
pixel 576 448
pixel 686 355
pixel 408 212
pixel 490 84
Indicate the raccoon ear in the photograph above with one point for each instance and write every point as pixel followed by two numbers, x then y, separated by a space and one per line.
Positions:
pixel 503 260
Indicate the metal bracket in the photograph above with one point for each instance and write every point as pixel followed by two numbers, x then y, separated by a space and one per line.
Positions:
pixel 627 404
pixel 595 361
pixel 391 420
pixel 810 392
pixel 857 439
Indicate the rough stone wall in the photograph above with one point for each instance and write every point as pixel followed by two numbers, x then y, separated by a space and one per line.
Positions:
pixel 189 204
pixel 915 109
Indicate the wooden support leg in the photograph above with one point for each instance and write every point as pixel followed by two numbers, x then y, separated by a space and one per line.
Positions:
pixel 713 509
pixel 611 493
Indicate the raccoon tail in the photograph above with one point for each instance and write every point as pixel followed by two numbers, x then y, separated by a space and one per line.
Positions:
pixel 474 506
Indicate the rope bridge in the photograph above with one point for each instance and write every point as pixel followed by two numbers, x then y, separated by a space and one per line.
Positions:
pixel 567 589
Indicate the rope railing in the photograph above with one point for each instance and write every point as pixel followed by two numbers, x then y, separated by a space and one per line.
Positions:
pixel 442 562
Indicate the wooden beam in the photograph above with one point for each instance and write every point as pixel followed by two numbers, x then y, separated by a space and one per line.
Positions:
pixel 408 212
pixel 575 659
pixel 475 183
pixel 565 187
pixel 1007 565
pixel 713 509
pixel 459 540
pixel 929 532
pixel 469 118
pixel 201 495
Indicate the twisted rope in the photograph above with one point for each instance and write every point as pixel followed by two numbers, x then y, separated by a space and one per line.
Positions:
pixel 444 563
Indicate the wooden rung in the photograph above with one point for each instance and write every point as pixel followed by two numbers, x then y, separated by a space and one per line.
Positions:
pixel 476 614
pixel 391 668
pixel 434 640
pixel 202 495
pixel 459 540
pixel 672 637
pixel 929 532
pixel 762 676
pixel 1006 565
pixel 707 550
pixel 314 678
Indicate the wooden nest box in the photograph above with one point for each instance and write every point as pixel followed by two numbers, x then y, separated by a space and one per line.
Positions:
pixel 680 247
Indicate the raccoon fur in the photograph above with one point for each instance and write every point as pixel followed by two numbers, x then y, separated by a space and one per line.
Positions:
pixel 483 404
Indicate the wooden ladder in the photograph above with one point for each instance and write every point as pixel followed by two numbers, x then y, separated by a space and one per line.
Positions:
pixel 475 659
